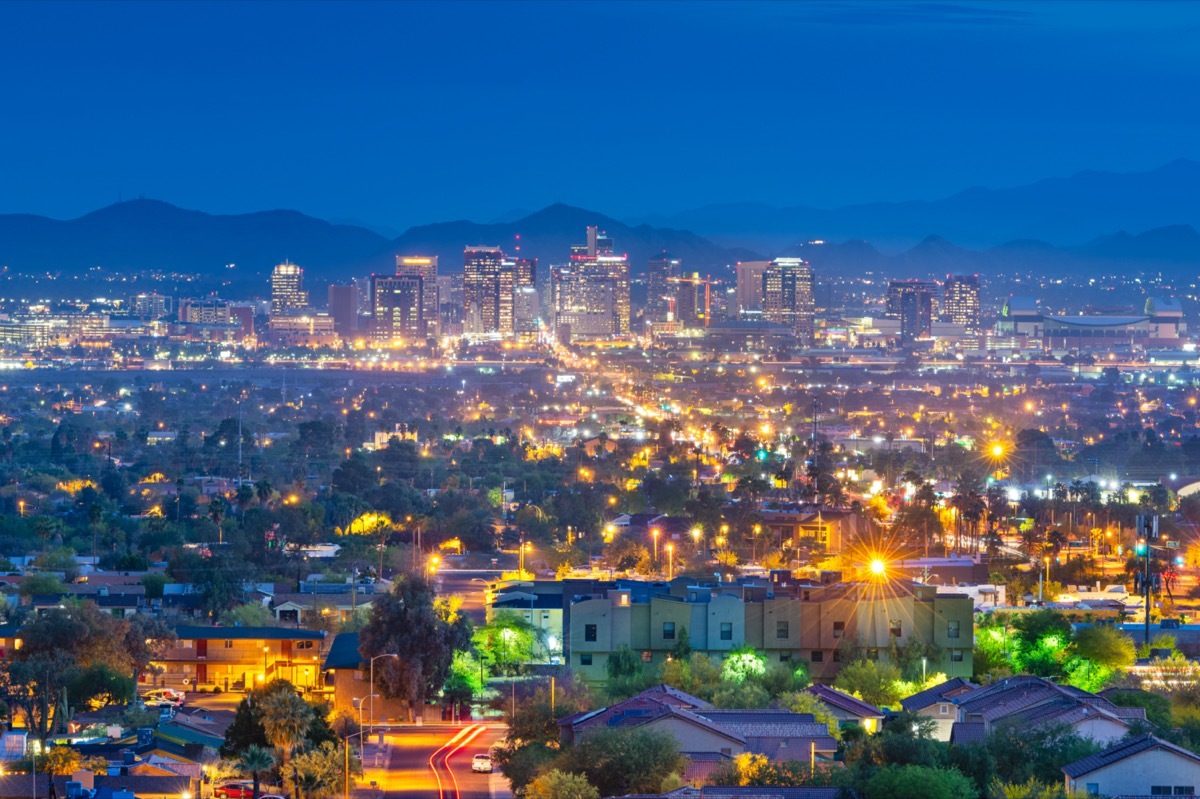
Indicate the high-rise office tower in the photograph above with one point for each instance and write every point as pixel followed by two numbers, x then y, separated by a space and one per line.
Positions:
pixel 151 305
pixel 914 303
pixel 750 288
pixel 788 297
pixel 591 293
pixel 343 307
pixel 487 292
pixel 287 290
pixel 426 268
pixel 525 274
pixel 398 307
pixel 690 305
pixel 661 283
pixel 960 301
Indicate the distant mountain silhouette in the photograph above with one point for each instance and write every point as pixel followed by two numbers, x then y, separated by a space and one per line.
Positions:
pixel 1065 211
pixel 149 234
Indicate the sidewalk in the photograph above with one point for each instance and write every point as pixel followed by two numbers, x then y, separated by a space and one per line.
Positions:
pixel 374 764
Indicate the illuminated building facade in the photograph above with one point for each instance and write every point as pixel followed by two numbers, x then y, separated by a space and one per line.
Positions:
pixel 287 290
pixel 398 308
pixel 426 268
pixel 750 288
pixel 914 304
pixel 788 297
pixel 591 293
pixel 960 302
pixel 488 279
pixel 660 297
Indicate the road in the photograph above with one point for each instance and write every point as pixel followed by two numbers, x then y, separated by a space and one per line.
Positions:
pixel 470 584
pixel 434 762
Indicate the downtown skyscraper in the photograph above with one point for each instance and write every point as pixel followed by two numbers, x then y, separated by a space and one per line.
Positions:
pixel 426 268
pixel 788 297
pixel 591 292
pixel 960 302
pixel 662 277
pixel 287 290
pixel 488 280
pixel 914 304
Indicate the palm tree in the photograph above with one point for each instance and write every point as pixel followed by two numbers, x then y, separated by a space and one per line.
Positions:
pixel 255 761
pixel 285 719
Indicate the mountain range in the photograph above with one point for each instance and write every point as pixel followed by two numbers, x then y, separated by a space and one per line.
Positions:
pixel 1089 222
pixel 1063 211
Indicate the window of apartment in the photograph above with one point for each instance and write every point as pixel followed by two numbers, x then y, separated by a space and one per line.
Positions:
pixel 669 630
pixel 229 644
pixel 1185 790
pixel 1093 789
pixel 944 710
pixel 837 656
pixel 726 631
pixel 1160 790
pixel 952 629
pixel 585 659
pixel 589 632
pixel 839 627
pixel 956 655
pixel 818 656
pixel 895 629
pixel 646 656
pixel 781 629
pixel 304 644
pixel 784 657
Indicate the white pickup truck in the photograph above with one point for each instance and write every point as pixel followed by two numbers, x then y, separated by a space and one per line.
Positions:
pixel 1113 593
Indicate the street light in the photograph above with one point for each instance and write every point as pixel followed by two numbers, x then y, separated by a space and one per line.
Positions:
pixel 377 657
pixel 670 561
pixel 654 531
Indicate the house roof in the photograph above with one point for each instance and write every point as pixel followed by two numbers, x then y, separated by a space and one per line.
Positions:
pixel 937 693
pixel 848 703
pixel 968 732
pixel 343 654
pixel 772 724
pixel 193 632
pixel 1123 750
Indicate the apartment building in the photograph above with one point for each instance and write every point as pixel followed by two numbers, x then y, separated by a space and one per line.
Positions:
pixel 800 622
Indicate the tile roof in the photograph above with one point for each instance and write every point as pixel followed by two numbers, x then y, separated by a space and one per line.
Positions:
pixel 832 696
pixel 1121 751
pixel 937 693
pixel 968 732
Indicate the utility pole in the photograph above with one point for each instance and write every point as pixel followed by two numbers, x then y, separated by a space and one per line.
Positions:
pixel 1148 531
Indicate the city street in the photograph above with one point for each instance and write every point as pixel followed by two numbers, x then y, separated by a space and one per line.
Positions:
pixel 435 761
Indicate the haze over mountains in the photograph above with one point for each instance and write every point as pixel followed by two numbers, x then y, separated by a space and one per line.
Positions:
pixel 1090 221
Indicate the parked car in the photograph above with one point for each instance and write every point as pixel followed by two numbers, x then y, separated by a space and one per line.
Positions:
pixel 163 697
pixel 234 790
pixel 482 763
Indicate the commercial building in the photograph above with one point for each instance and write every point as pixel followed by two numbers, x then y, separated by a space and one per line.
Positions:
pixel 661 273
pixel 426 268
pixel 692 300
pixel 151 305
pixel 1025 326
pixel 787 622
pixel 591 292
pixel 287 290
pixel 960 302
pixel 788 297
pixel 488 279
pixel 343 307
pixel 398 308
pixel 750 288
pixel 914 304
pixel 309 330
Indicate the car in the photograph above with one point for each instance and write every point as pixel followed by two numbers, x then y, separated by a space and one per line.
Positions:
pixel 482 763
pixel 234 790
pixel 163 697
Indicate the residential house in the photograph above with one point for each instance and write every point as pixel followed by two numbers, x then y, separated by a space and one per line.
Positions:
pixel 1141 766
pixel 707 736
pixel 349 675
pixel 1028 702
pixel 849 711
pixel 937 703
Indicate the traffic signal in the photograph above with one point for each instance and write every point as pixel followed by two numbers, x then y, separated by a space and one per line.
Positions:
pixel 1141 546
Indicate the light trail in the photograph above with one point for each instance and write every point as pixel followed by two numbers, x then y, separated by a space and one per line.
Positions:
pixel 456 742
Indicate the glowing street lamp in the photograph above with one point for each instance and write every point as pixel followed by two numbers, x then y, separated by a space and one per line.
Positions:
pixel 655 532
pixel 878 568
pixel 670 561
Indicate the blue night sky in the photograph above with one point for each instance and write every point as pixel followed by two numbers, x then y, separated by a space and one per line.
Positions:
pixel 406 113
